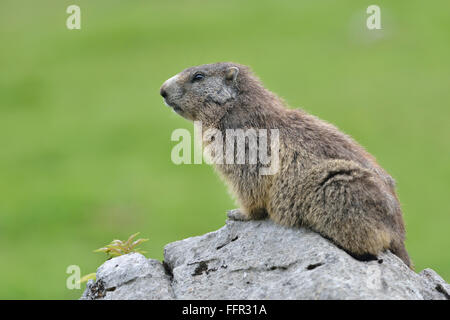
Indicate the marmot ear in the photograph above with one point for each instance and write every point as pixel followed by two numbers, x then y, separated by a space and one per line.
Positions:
pixel 232 73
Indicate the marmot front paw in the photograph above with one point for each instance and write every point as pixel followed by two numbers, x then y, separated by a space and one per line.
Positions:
pixel 237 215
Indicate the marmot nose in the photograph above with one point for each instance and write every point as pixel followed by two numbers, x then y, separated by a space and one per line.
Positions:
pixel 163 92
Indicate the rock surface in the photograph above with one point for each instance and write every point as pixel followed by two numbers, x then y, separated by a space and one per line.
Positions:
pixel 261 260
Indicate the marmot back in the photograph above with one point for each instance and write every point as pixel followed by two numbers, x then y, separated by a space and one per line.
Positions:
pixel 326 181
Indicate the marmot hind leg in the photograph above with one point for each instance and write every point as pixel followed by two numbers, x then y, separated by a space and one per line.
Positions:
pixel 343 202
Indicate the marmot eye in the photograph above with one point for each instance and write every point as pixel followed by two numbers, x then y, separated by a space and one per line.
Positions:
pixel 197 77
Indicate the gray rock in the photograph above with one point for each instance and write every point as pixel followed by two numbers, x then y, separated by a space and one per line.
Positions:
pixel 130 276
pixel 261 260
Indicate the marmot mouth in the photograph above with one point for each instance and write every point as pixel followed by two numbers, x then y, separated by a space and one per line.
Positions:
pixel 166 103
pixel 174 107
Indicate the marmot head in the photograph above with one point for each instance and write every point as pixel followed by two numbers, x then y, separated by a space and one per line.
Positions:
pixel 204 93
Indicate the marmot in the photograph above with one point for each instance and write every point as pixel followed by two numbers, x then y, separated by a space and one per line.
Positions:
pixel 326 181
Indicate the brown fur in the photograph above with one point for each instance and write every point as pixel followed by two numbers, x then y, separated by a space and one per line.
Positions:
pixel 326 181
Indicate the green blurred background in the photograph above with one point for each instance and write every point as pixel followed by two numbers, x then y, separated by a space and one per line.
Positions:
pixel 85 137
